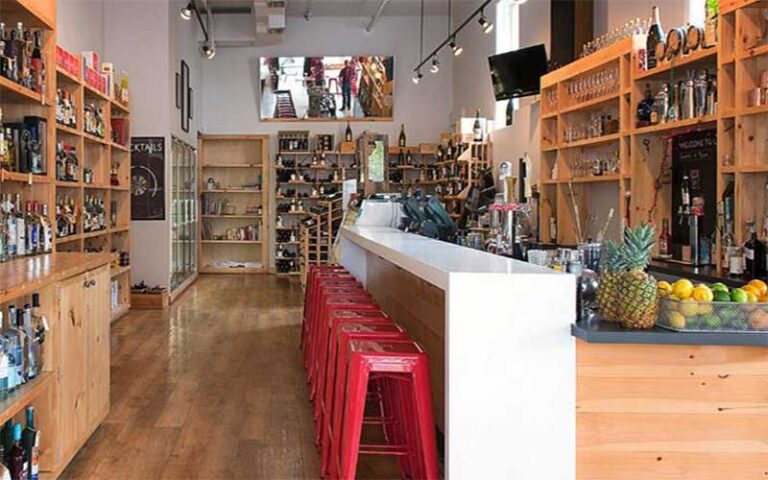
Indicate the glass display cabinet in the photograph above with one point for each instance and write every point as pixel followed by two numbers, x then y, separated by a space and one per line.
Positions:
pixel 183 212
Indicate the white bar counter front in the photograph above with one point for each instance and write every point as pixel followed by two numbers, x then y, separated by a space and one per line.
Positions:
pixel 501 354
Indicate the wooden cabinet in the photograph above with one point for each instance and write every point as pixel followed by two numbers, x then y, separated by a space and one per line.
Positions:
pixel 72 372
pixel 98 320
pixel 83 384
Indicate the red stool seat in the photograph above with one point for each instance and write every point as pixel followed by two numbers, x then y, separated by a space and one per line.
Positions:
pixel 311 302
pixel 400 361
pixel 330 303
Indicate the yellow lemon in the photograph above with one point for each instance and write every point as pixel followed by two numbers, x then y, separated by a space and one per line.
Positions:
pixel 705 308
pixel 676 320
pixel 751 297
pixel 665 289
pixel 682 289
pixel 760 286
pixel 689 308
pixel 702 293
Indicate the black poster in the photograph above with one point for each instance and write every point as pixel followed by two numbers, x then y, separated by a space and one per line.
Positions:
pixel 147 178
pixel 695 154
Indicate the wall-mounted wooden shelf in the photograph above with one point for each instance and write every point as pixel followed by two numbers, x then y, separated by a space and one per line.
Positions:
pixel 229 160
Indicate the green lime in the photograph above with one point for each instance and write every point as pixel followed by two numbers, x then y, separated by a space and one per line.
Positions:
pixel 721 295
pixel 719 286
pixel 739 296
pixel 711 322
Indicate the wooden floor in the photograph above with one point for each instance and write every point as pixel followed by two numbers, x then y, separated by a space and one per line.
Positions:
pixel 211 389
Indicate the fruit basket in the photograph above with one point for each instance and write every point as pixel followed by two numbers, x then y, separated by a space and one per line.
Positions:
pixel 724 317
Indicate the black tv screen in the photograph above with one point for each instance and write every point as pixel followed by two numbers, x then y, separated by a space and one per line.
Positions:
pixel 518 73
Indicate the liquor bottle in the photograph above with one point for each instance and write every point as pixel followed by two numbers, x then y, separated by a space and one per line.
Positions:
pixel 348 133
pixel 645 107
pixel 401 157
pixel 754 253
pixel 32 233
pixel 665 240
pixel 401 141
pixel 15 365
pixel 510 112
pixel 23 352
pixel 16 456
pixel 21 229
pixel 10 228
pixel 4 363
pixel 30 441
pixel 38 65
pixel 655 37
pixel 29 335
pixel 476 128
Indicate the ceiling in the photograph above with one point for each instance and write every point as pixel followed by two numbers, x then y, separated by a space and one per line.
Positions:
pixel 343 8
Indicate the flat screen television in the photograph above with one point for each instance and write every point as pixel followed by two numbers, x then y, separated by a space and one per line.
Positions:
pixel 518 73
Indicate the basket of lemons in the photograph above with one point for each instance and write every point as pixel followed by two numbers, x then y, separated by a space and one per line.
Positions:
pixel 689 307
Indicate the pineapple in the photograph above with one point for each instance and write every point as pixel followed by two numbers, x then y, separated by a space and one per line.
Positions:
pixel 637 290
pixel 607 295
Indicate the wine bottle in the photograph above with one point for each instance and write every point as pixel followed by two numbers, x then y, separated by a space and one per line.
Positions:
pixel 476 128
pixel 401 142
pixel 348 134
pixel 754 252
pixel 510 112
pixel 30 441
pixel 654 39
pixel 16 463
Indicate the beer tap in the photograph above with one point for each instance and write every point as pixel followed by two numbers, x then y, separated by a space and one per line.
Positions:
pixel 690 213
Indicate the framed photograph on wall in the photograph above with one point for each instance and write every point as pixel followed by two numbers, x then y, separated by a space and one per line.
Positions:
pixel 185 112
pixel 147 178
pixel 178 90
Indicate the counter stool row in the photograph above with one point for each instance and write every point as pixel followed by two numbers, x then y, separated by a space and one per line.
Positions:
pixel 357 357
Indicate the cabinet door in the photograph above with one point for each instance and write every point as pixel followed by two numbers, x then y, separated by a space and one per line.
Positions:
pixel 72 369
pixel 97 331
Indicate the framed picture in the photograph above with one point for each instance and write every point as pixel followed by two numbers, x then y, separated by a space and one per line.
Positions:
pixel 148 178
pixel 190 96
pixel 185 112
pixel 178 90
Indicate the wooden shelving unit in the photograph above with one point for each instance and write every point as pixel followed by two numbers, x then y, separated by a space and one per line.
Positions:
pixel 740 58
pixel 238 200
pixel 318 234
pixel 305 177
pixel 110 163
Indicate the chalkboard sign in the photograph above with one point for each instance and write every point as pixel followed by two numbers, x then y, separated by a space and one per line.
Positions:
pixel 147 178
pixel 694 154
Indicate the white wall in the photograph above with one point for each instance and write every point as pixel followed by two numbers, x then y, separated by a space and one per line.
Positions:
pixel 231 79
pixel 80 25
pixel 472 87
pixel 136 41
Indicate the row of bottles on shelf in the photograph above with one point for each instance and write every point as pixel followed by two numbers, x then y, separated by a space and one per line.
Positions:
pixel 314 192
pixel 21 57
pixel 94 214
pixel 224 207
pixel 294 206
pixel 66 108
pixel 293 142
pixel 694 97
pixel 596 125
pixel 679 41
pixel 66 216
pixel 21 345
pixel 20 449
pixel 318 159
pixel 26 231
pixel 93 120
pixel 23 145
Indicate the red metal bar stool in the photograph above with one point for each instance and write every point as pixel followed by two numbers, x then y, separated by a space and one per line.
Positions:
pixel 400 361
pixel 332 302
pixel 347 329
pixel 315 273
pixel 326 359
pixel 323 292
pixel 311 300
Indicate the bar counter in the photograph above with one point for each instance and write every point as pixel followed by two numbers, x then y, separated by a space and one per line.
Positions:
pixel 497 331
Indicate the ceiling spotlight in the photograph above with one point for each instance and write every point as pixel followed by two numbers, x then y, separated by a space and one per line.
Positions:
pixel 417 78
pixel 186 12
pixel 209 50
pixel 485 24
pixel 435 65
pixel 456 48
